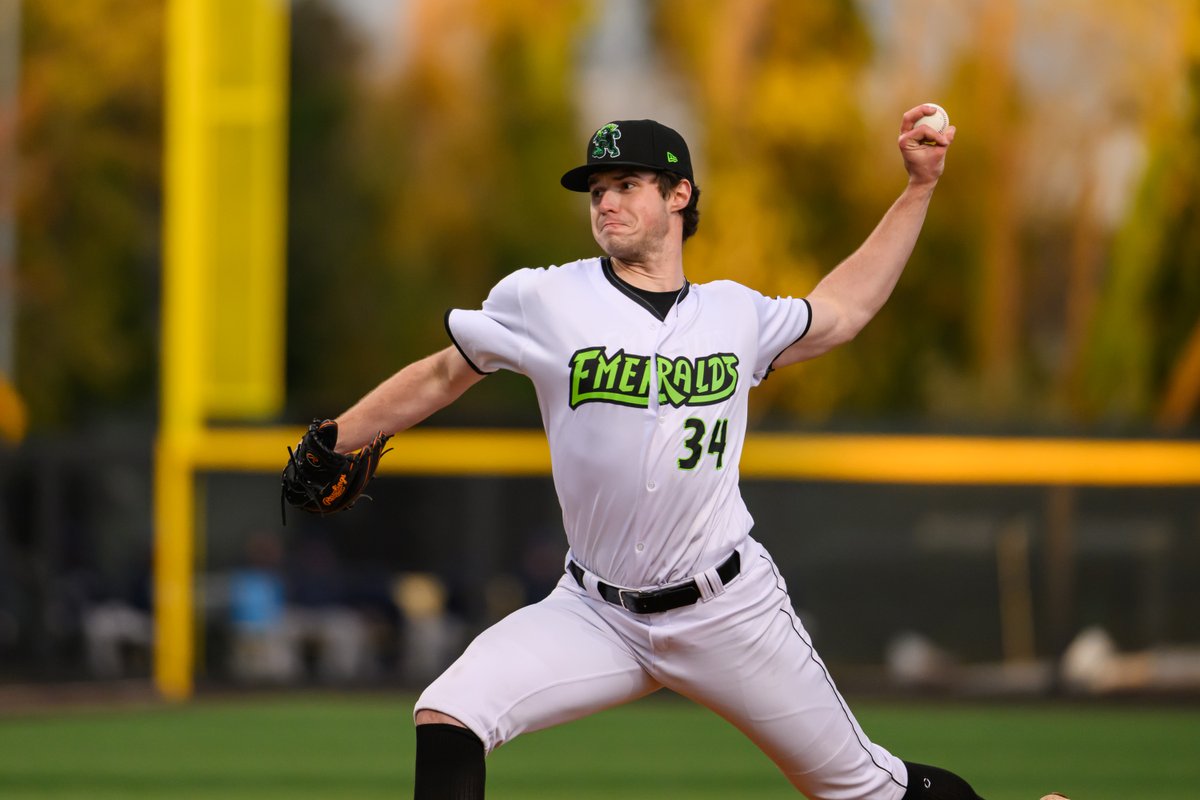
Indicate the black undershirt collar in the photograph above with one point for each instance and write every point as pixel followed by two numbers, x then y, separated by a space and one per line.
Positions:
pixel 657 303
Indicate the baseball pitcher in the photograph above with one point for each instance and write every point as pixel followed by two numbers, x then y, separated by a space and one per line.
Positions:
pixel 642 378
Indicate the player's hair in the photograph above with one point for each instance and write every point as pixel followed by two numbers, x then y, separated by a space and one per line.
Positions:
pixel 667 181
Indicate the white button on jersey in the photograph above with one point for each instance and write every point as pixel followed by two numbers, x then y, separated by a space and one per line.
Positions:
pixel 596 356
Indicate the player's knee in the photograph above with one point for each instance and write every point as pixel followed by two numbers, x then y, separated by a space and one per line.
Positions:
pixel 427 716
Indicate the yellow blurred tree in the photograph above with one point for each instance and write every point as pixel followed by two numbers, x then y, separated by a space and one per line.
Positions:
pixel 1036 294
pixel 1030 300
pixel 335 219
pixel 1073 142
pixel 88 208
pixel 470 140
pixel 1143 355
pixel 774 91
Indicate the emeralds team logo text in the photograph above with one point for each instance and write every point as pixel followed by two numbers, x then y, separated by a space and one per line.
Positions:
pixel 624 378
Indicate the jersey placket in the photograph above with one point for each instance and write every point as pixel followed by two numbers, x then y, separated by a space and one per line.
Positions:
pixel 657 435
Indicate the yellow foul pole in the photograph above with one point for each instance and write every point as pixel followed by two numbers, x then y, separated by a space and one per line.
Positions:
pixel 180 414
pixel 226 88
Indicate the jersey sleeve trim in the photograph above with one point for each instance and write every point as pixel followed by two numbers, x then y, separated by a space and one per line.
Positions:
pixel 458 347
pixel 803 333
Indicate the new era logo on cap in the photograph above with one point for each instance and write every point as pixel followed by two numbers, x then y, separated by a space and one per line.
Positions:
pixel 641 143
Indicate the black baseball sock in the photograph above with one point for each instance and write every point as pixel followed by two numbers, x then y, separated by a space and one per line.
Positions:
pixel 934 783
pixel 449 764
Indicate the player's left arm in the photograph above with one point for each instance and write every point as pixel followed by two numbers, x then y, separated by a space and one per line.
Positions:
pixel 849 297
pixel 406 398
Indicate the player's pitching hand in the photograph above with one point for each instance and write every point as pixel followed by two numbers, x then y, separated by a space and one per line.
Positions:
pixel 923 148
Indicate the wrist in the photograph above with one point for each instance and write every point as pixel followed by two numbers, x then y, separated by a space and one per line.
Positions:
pixel 922 184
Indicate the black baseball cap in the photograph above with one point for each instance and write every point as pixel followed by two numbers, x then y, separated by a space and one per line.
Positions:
pixel 640 143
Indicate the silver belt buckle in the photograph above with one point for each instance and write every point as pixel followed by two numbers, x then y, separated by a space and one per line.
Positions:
pixel 631 594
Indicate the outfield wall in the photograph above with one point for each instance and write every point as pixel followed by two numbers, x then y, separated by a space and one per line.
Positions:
pixel 991 568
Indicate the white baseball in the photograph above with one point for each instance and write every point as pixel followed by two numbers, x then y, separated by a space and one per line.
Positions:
pixel 939 120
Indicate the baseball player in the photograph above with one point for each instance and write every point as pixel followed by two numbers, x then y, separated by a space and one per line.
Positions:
pixel 642 378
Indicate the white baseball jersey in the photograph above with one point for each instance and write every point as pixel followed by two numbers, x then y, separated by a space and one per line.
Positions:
pixel 646 419
pixel 651 503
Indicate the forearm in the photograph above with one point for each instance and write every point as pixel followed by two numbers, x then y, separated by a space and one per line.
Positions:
pixel 406 398
pixel 851 295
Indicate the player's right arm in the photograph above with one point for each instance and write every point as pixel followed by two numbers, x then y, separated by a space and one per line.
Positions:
pixel 406 398
pixel 851 295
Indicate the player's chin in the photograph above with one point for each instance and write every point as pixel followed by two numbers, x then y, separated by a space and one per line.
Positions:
pixel 628 255
pixel 616 245
pixel 610 244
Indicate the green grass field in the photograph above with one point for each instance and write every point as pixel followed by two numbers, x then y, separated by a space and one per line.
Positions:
pixel 361 747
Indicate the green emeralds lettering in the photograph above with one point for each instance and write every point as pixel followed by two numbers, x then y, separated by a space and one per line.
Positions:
pixel 702 377
pixel 606 369
pixel 644 387
pixel 599 378
pixel 683 376
pixel 667 391
pixel 627 374
pixel 720 379
pixel 625 378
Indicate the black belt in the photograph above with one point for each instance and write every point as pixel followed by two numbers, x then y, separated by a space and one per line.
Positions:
pixel 657 600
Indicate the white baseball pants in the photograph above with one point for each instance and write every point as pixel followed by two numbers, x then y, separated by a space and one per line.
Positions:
pixel 742 653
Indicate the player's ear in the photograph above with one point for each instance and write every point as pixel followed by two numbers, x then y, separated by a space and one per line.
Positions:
pixel 680 196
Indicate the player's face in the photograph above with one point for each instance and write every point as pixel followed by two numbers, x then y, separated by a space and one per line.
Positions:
pixel 630 218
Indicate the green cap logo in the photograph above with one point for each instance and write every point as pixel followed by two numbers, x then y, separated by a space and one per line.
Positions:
pixel 604 143
pixel 671 158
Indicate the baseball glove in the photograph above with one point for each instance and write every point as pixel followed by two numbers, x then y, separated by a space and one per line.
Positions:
pixel 320 480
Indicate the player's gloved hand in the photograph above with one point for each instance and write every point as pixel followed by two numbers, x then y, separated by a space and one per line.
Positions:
pixel 320 480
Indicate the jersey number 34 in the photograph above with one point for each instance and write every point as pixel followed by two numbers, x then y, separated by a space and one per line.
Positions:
pixel 694 442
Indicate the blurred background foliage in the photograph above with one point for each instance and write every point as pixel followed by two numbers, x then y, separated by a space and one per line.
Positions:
pixel 88 210
pixel 1056 286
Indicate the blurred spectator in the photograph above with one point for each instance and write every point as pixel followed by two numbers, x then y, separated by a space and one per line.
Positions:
pixel 118 624
pixel 290 617
pixel 117 636
pixel 433 636
pixel 1094 664
pixel 261 650
pixel 323 627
